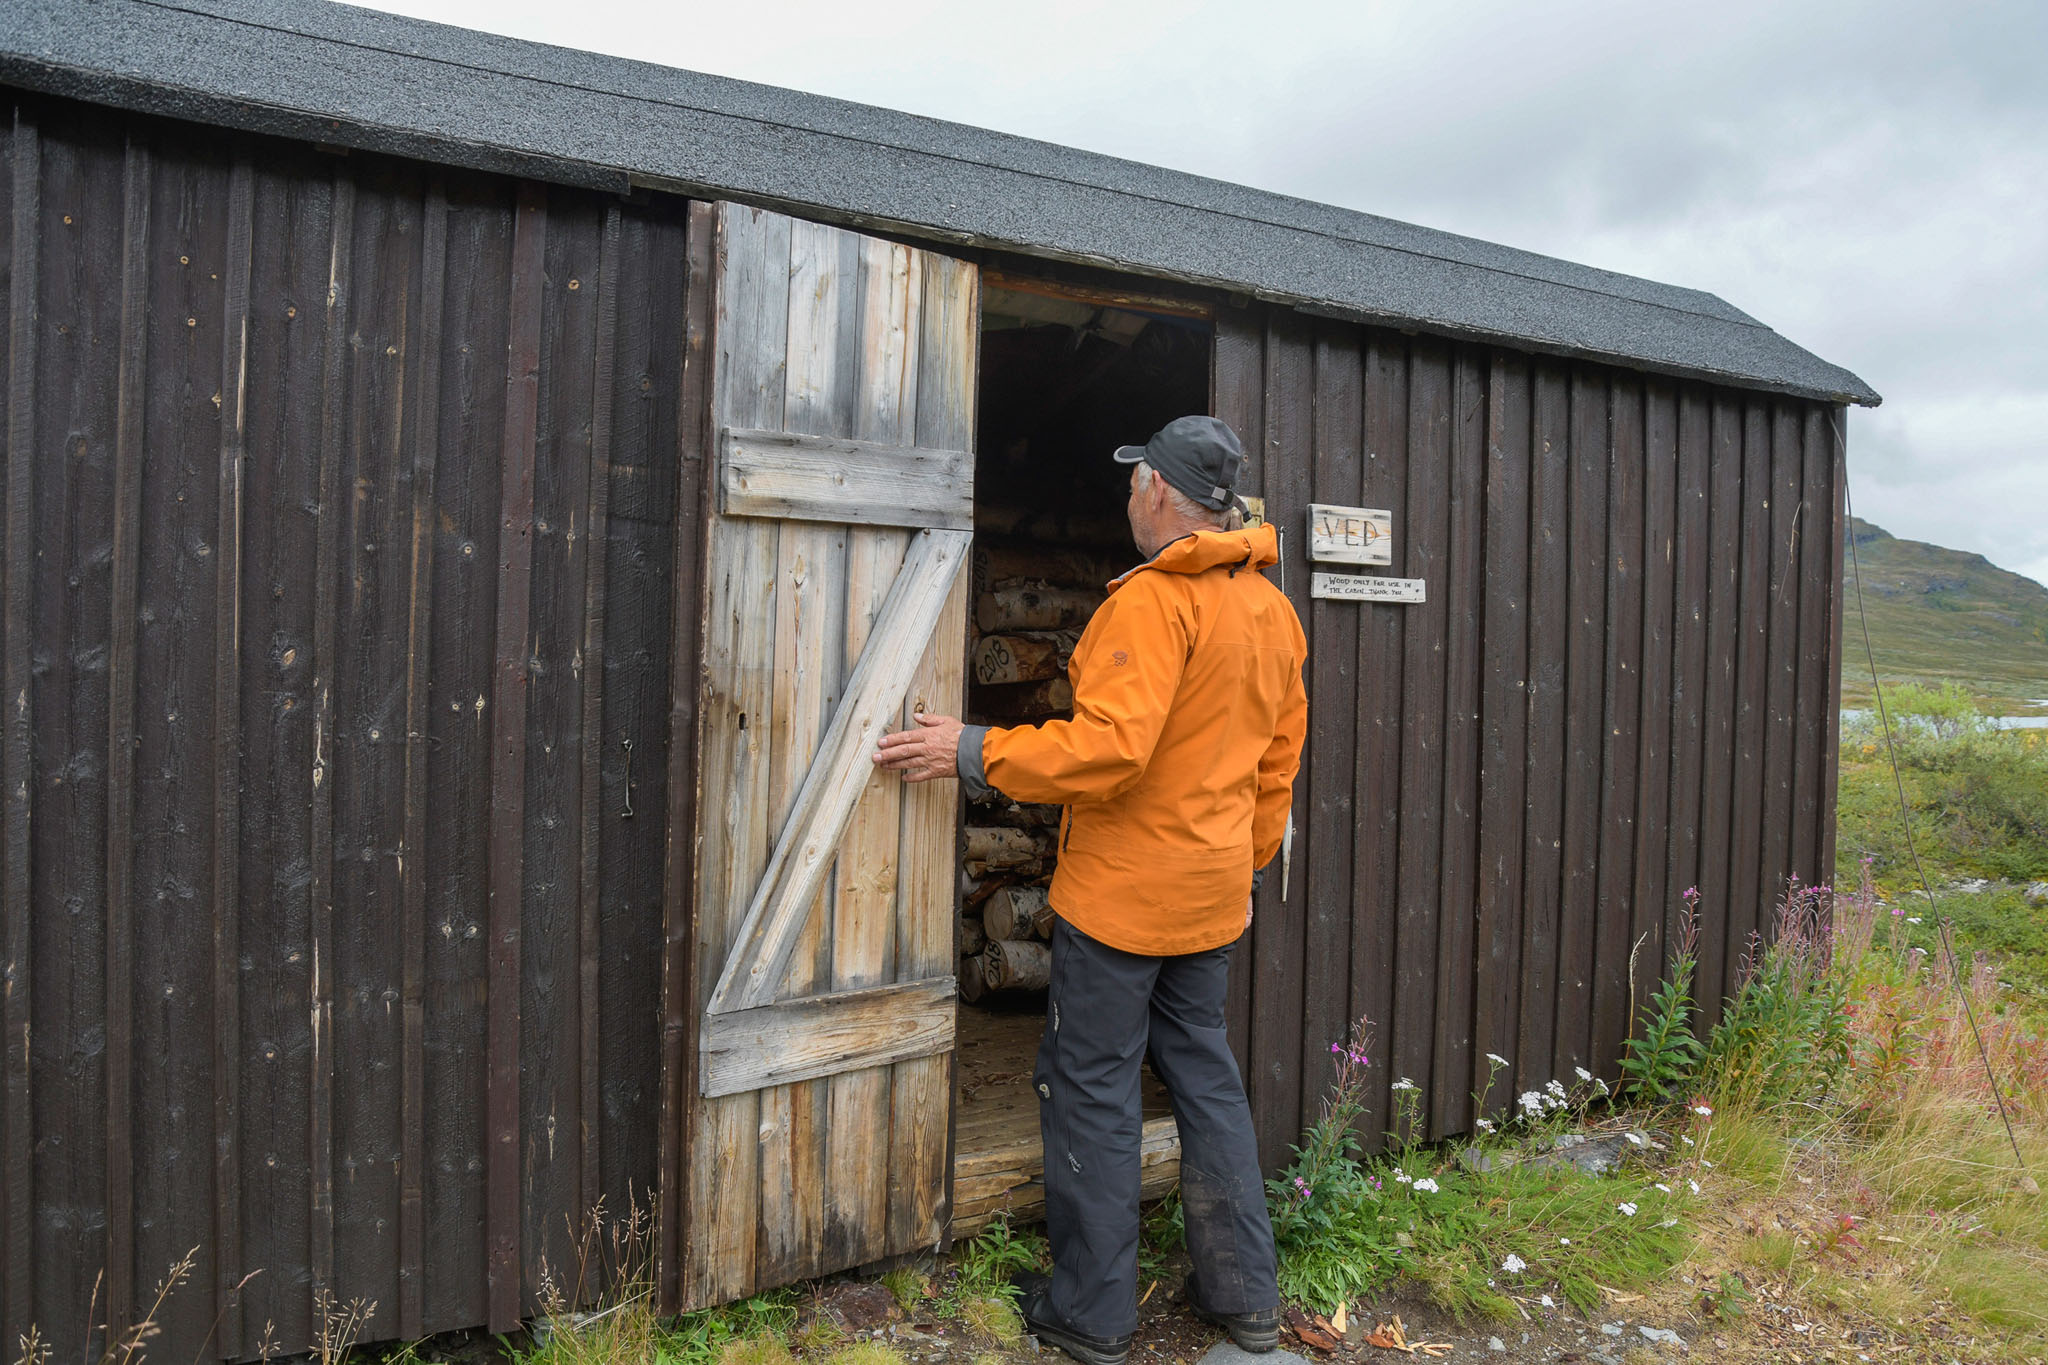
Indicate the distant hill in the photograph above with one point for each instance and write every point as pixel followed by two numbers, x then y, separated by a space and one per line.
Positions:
pixel 1938 615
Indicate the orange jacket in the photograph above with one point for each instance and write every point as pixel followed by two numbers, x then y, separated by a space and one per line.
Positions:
pixel 1178 766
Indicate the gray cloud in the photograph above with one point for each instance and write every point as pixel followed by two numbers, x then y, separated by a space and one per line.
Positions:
pixel 1866 178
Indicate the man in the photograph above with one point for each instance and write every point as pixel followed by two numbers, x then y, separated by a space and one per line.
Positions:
pixel 1177 772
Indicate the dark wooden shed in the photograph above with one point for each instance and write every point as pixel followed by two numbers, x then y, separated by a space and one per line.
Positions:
pixel 468 503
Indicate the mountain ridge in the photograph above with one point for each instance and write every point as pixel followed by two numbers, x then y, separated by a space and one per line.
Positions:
pixel 1940 615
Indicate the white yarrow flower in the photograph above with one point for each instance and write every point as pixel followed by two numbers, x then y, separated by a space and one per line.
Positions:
pixel 1554 1087
pixel 1426 1185
pixel 1664 1187
pixel 1582 1073
pixel 1564 1241
pixel 1531 1101
pixel 1405 1084
pixel 1627 1208
pixel 1485 1125
pixel 1404 1177
pixel 1694 1185
pixel 1703 1111
pixel 1514 1265
pixel 1599 1086
pixel 1549 1302
pixel 1496 1059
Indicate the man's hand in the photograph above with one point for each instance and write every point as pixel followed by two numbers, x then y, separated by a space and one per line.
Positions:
pixel 931 750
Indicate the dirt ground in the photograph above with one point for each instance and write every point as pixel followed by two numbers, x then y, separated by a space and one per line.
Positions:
pixel 1768 1330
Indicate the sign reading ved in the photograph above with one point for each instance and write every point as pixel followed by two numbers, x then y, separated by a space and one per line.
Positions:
pixel 1350 535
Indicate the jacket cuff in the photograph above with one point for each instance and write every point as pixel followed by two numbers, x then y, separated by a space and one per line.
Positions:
pixel 1259 878
pixel 973 773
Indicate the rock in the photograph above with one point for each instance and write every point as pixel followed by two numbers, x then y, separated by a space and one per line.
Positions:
pixel 1663 1334
pixel 1593 1155
pixel 2037 893
pixel 1612 1329
pixel 1969 886
pixel 1227 1352
pixel 854 1306
pixel 1496 1344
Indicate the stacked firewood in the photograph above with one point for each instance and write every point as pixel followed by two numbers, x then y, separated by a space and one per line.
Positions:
pixel 1005 918
pixel 1030 604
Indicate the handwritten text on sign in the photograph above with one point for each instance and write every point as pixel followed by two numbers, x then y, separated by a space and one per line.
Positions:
pixel 1350 535
pixel 1357 587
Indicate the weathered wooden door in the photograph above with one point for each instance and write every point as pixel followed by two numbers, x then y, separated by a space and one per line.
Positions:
pixel 842 420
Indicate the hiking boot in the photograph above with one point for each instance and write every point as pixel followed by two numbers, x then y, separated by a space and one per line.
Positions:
pixel 1034 1305
pixel 1257 1332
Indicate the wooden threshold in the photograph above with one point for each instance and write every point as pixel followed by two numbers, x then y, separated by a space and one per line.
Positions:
pixel 998 1162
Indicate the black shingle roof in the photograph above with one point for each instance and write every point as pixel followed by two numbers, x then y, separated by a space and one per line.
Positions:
pixel 357 77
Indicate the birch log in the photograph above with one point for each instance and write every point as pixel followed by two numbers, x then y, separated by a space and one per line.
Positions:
pixel 1017 913
pixel 1011 966
pixel 973 980
pixel 1024 657
pixel 1033 606
pixel 1001 846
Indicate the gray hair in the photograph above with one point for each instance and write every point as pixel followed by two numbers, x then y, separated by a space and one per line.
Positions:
pixel 1228 519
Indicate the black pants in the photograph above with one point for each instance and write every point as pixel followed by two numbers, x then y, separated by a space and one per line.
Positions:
pixel 1108 1009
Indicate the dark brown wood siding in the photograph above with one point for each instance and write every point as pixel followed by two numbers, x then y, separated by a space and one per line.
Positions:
pixel 1616 691
pixel 341 565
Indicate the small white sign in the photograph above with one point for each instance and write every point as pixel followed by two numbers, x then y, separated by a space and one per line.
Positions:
pixel 1350 535
pixel 1358 587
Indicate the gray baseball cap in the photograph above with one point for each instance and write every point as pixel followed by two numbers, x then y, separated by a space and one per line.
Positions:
pixel 1201 456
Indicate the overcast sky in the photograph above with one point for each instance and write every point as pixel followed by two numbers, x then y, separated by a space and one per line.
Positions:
pixel 1869 179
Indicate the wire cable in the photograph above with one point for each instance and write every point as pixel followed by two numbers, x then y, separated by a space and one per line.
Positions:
pixel 1948 946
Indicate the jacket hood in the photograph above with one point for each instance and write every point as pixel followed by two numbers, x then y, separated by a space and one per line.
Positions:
pixel 1254 547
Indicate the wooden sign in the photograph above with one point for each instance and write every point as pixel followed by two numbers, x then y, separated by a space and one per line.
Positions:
pixel 1358 587
pixel 1350 535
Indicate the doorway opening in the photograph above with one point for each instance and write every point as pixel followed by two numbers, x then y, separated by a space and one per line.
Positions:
pixel 1066 376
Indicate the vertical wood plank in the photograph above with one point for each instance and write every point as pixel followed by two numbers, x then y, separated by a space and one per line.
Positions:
pixel 16 1139
pixel 690 624
pixel 477 285
pixel 1815 589
pixel 1719 950
pixel 751 340
pixel 227 773
pixel 1336 458
pixel 1649 909
pixel 1782 671
pixel 552 963
pixel 281 469
pixel 1503 730
pixel 1423 554
pixel 327 588
pixel 1746 883
pixel 176 756
pixel 1376 852
pixel 1835 418
pixel 921 1091
pixel 1585 712
pixel 863 949
pixel 810 604
pixel 131 384
pixel 1274 1081
pixel 1543 966
pixel 423 445
pixel 1691 536
pixel 1465 627
pixel 370 676
pixel 508 754
pixel 590 815
pixel 1619 744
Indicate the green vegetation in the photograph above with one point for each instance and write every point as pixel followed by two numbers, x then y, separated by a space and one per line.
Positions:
pixel 1939 615
pixel 1979 804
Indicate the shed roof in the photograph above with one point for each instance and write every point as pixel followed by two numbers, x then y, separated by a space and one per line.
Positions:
pixel 342 75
